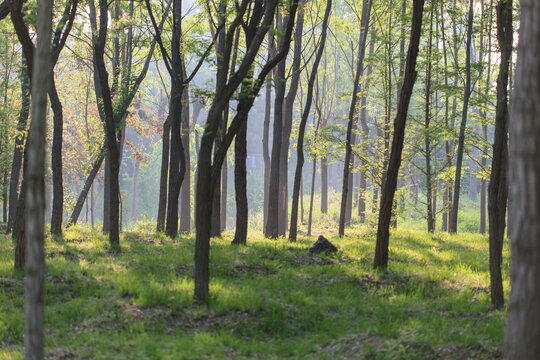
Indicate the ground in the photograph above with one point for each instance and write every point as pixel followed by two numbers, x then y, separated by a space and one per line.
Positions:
pixel 270 299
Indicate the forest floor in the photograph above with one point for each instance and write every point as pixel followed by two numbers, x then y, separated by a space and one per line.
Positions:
pixel 270 299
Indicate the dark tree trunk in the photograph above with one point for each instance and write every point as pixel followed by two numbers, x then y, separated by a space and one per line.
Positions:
pixel 18 234
pixel 257 27
pixel 353 112
pixel 523 320
pixel 164 174
pixel 461 140
pixel 387 199
pixel 498 186
pixel 84 192
pixel 185 189
pixel 56 160
pixel 240 183
pixel 288 107
pixel 16 164
pixel 302 127
pixel 272 221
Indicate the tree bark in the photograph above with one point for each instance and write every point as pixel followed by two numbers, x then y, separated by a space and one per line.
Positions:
pixel 34 341
pixel 164 174
pixel 427 119
pixel 185 189
pixel 56 160
pixel 498 186
pixel 389 188
pixel 240 183
pixel 523 319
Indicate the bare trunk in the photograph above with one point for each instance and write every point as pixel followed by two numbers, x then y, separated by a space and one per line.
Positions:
pixel 162 204
pixel 385 212
pixel 523 319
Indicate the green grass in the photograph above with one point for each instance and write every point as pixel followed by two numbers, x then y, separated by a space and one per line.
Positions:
pixel 270 299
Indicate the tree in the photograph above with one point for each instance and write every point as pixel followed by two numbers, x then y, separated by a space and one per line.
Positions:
pixel 353 111
pixel 394 162
pixel 35 177
pixel 260 19
pixel 302 126
pixel 523 319
pixel 498 186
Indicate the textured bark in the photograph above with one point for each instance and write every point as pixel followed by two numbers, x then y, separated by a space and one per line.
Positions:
pixel 56 160
pixel 498 185
pixel 266 134
pixel 353 111
pixel 461 139
pixel 389 188
pixel 16 164
pixel 523 319
pixel 34 339
pixel 302 127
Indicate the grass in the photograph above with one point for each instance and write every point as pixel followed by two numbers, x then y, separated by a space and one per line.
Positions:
pixel 270 299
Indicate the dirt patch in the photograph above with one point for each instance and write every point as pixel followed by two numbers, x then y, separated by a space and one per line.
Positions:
pixel 61 354
pixel 10 284
pixel 350 347
pixel 239 268
pixel 447 352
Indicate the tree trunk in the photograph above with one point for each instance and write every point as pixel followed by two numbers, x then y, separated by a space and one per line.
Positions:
pixel 134 211
pixel 272 221
pixel 461 140
pixel 240 184
pixel 483 186
pixel 265 140
pixel 34 341
pixel 353 111
pixel 387 199
pixel 16 164
pixel 56 160
pixel 185 189
pixel 523 319
pixel 427 120
pixel 165 150
pixel 302 127
pixel 324 184
pixel 310 216
pixel 84 192
pixel 498 186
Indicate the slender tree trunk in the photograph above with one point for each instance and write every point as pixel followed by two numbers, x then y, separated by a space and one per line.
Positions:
pixel 84 192
pixel 310 216
pixel 16 164
pixel 353 111
pixel 185 189
pixel 240 184
pixel 134 212
pixel 34 341
pixel 324 183
pixel 162 202
pixel 385 212
pixel 56 159
pixel 498 186
pixel 427 120
pixel 461 140
pixel 302 127
pixel 523 319
pixel 483 185
pixel 272 222
pixel 265 141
